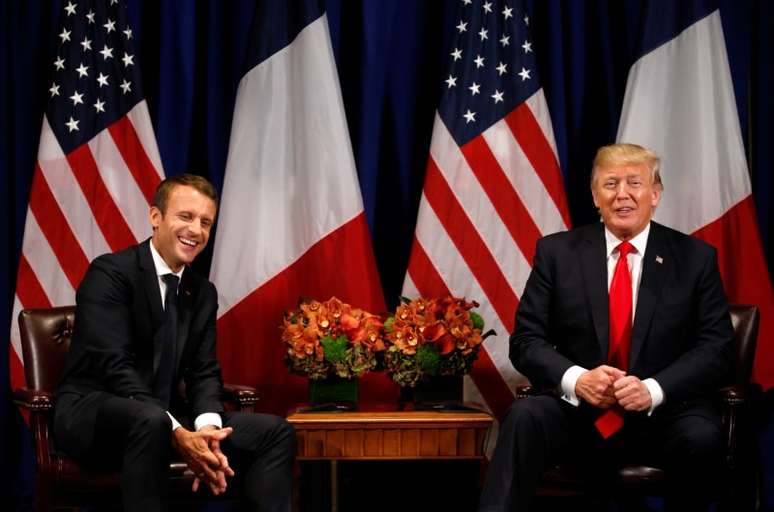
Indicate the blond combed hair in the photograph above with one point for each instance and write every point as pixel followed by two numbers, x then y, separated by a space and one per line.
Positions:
pixel 628 154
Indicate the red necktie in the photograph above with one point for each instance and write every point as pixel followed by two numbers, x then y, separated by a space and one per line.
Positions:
pixel 611 420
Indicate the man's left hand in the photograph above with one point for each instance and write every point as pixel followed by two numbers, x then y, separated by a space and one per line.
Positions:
pixel 632 394
pixel 223 470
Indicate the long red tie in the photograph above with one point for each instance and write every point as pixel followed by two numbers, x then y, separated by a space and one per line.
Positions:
pixel 611 421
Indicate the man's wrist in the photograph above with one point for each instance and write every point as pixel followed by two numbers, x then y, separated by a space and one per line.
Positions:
pixel 569 381
pixel 208 419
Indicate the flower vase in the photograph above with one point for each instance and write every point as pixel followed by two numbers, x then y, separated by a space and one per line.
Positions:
pixel 332 389
pixel 436 389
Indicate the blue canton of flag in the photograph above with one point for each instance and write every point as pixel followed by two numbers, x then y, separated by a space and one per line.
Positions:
pixel 491 67
pixel 96 80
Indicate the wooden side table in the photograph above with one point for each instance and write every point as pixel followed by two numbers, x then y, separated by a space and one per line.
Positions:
pixel 389 435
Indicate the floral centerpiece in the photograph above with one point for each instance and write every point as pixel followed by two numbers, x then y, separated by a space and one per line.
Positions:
pixel 432 337
pixel 331 338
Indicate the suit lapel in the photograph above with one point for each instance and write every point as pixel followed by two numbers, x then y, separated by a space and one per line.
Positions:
pixel 656 265
pixel 594 268
pixel 150 282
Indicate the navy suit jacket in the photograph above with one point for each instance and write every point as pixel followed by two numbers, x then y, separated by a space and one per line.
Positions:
pixel 682 330
pixel 117 341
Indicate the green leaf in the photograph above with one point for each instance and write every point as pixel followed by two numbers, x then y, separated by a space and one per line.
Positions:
pixel 388 324
pixel 478 320
pixel 428 359
pixel 335 350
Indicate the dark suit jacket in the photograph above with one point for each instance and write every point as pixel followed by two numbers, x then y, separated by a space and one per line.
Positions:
pixel 116 345
pixel 682 330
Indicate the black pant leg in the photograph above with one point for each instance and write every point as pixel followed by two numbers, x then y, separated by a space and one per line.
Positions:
pixel 261 451
pixel 125 434
pixel 690 442
pixel 534 432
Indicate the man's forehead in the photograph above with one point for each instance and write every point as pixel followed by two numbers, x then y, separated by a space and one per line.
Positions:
pixel 625 169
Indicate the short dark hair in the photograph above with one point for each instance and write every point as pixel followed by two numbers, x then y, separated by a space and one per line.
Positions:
pixel 189 180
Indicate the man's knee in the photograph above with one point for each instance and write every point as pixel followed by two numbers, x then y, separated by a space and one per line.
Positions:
pixel 526 414
pixel 284 434
pixel 151 421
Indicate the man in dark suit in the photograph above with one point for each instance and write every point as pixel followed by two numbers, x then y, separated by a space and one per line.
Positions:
pixel 623 329
pixel 144 323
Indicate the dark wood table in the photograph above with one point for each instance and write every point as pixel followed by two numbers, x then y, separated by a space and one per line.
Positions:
pixel 383 433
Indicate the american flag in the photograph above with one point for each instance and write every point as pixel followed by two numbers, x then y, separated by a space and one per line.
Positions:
pixel 98 164
pixel 493 184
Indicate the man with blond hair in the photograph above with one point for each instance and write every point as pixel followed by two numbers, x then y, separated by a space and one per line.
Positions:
pixel 623 330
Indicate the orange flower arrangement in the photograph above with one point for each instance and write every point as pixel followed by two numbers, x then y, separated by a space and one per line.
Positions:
pixel 331 338
pixel 428 337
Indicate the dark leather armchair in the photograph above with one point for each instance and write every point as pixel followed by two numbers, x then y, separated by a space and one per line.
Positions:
pixel 45 337
pixel 738 491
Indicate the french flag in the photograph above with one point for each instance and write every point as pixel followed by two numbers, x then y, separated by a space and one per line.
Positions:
pixel 291 221
pixel 680 102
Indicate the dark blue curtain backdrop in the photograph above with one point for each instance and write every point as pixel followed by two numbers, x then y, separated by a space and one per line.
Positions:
pixel 390 56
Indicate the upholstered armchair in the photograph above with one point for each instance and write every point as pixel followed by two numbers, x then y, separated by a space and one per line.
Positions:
pixel 45 338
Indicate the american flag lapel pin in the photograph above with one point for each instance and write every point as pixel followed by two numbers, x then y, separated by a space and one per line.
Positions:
pixel 659 259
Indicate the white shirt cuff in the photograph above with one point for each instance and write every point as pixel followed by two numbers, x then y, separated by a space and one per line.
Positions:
pixel 656 394
pixel 569 379
pixel 208 418
pixel 175 423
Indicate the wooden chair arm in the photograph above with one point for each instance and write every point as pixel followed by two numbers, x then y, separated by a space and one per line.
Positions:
pixel 245 397
pixel 33 399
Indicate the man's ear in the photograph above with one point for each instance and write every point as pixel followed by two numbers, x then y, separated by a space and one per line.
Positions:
pixel 155 216
pixel 656 196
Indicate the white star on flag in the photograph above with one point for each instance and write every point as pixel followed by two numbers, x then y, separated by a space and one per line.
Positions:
pixel 72 124
pixel 77 98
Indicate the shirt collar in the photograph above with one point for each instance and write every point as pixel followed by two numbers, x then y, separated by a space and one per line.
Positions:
pixel 161 266
pixel 640 242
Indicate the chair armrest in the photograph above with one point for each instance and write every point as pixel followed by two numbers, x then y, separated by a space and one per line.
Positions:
pixel 524 391
pixel 33 399
pixel 243 396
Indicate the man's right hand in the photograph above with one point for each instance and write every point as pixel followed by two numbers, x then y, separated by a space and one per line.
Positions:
pixel 596 386
pixel 194 448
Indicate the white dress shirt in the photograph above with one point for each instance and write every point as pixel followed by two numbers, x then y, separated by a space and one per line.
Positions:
pixel 162 269
pixel 634 260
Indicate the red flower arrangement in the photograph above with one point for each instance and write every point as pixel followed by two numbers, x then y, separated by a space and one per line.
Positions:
pixel 331 338
pixel 429 337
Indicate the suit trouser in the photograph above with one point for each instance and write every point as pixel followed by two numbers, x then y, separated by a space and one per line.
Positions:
pixel 136 437
pixel 686 439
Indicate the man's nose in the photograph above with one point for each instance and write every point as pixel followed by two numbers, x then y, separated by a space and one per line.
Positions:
pixel 622 190
pixel 195 226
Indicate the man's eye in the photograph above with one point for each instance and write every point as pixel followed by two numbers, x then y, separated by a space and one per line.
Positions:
pixel 609 184
pixel 184 216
